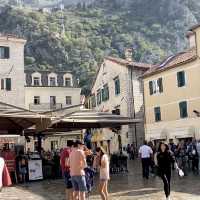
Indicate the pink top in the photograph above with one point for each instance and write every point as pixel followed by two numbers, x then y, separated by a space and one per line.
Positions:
pixel 64 155
pixel 77 162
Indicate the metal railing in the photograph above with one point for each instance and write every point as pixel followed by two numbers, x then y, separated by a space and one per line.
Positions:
pixel 44 106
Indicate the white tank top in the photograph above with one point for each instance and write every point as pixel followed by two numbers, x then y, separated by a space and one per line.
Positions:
pixel 104 172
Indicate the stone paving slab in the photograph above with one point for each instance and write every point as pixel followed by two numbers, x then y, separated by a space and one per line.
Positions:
pixel 122 187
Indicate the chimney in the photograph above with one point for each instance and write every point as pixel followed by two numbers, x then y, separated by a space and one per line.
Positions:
pixel 129 54
pixel 191 39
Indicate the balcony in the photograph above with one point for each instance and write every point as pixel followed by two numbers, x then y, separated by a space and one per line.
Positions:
pixel 44 107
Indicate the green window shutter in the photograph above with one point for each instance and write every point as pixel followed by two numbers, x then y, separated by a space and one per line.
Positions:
pixel 117 86
pixel 181 79
pixel 8 84
pixel 160 85
pixel 151 87
pixel 99 97
pixel 2 84
pixel 93 101
pixel 183 109
pixel 7 52
pixel 103 94
pixel 157 114
pixel 106 92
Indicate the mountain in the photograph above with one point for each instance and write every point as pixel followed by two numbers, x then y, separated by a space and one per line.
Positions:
pixel 43 3
pixel 78 37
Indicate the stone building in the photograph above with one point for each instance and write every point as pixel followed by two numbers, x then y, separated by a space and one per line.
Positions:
pixel 12 70
pixel 118 89
pixel 48 91
pixel 38 91
pixel 172 95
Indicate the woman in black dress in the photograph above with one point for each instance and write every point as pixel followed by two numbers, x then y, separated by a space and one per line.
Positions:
pixel 164 160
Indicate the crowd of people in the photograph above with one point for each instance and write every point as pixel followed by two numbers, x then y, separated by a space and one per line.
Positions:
pixel 162 159
pixel 78 164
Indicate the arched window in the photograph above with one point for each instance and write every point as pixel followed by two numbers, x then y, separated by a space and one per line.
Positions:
pixel 36 79
pixel 68 80
pixel 52 79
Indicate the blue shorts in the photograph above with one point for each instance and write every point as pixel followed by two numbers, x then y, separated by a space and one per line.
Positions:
pixel 79 183
pixel 68 180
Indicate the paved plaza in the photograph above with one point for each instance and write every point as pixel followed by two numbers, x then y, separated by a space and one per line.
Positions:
pixel 122 187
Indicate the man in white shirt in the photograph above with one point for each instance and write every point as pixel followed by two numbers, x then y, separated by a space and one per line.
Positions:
pixel 145 153
pixel 198 151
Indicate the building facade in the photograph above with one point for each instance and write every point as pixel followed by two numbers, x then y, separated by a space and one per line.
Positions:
pixel 38 91
pixel 118 89
pixel 48 91
pixel 172 95
pixel 12 70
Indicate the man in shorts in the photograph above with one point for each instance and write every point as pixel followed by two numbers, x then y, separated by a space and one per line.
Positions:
pixel 64 161
pixel 77 161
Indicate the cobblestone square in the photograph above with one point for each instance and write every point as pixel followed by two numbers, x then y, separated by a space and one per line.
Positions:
pixel 122 187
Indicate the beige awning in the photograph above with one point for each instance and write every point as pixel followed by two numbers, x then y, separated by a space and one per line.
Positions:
pixel 92 119
pixel 184 136
pixel 14 120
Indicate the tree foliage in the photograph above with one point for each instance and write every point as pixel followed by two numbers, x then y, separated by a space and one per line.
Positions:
pixel 106 27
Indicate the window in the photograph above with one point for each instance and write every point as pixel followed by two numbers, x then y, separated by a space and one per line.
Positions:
pixel 93 101
pixel 105 93
pixel 98 97
pixel 68 82
pixel 52 81
pixel 36 81
pixel 54 145
pixel 117 112
pixel 53 100
pixel 68 100
pixel 117 85
pixel 181 78
pixel 36 100
pixel 4 52
pixel 155 86
pixel 157 114
pixel 183 109
pixel 8 84
pixel 2 84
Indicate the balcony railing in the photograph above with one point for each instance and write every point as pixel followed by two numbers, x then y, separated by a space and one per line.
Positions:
pixel 44 106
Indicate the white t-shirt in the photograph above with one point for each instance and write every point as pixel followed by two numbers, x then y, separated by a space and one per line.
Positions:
pixel 104 171
pixel 145 151
pixel 198 148
pixel 2 163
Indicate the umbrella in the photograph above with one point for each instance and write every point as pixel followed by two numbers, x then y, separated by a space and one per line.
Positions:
pixel 14 120
pixel 91 119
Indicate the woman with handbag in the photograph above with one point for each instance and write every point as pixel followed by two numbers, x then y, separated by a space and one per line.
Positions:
pixel 165 159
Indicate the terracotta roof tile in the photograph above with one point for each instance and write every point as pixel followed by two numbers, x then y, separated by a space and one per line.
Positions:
pixel 173 61
pixel 130 63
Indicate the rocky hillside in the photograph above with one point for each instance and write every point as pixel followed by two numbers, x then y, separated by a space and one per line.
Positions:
pixel 154 28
